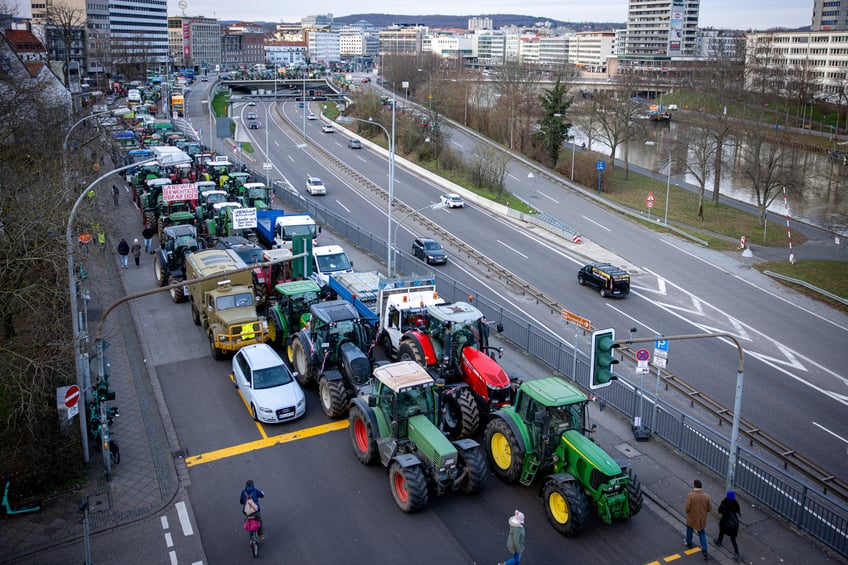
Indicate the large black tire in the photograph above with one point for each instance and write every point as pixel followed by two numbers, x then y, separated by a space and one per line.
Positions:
pixel 460 414
pixel 195 316
pixel 275 330
pixel 386 344
pixel 149 218
pixel 160 272
pixel 603 292
pixel 302 359
pixel 409 488
pixel 333 397
pixel 565 506
pixel 635 498
pixel 177 293
pixel 411 351
pixel 477 474
pixel 506 457
pixel 217 354
pixel 362 436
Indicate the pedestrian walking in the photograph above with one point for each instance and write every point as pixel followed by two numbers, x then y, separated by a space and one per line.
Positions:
pixel 698 506
pixel 728 525
pixel 148 233
pixel 136 252
pixel 124 252
pixel 84 240
pixel 115 194
pixel 101 241
pixel 515 539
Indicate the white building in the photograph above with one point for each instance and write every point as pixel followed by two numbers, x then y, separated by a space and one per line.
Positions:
pixel 592 49
pixel 355 41
pixel 139 29
pixel 285 53
pixel 658 30
pixel 323 46
pixel 554 50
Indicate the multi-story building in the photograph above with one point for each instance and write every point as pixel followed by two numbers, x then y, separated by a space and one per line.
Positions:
pixel 289 32
pixel 138 35
pixel 320 21
pixel 285 53
pixel 591 50
pixel 358 41
pixel 830 15
pixel 199 40
pixel 489 46
pixel 242 44
pixel 480 22
pixel 450 46
pixel 554 50
pixel 402 39
pixel 720 45
pixel 323 46
pixel 528 50
pixel 660 30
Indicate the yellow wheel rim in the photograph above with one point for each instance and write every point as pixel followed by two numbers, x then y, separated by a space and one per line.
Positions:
pixel 558 507
pixel 501 451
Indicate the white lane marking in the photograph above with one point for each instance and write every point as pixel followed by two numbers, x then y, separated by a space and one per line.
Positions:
pixel 513 249
pixel 596 223
pixel 173 556
pixel 816 424
pixel 343 206
pixel 277 143
pixel 512 176
pixel 548 197
pixel 185 522
pixel 169 540
pixel 458 144
pixel 363 159
pixel 164 520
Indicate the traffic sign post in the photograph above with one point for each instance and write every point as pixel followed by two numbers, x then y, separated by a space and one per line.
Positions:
pixel 600 165
pixel 649 202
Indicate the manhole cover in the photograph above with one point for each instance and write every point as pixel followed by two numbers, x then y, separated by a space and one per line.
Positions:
pixel 627 450
pixel 180 454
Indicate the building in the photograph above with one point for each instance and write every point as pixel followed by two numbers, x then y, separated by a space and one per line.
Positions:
pixel 286 53
pixel 243 44
pixel 480 22
pixel 830 15
pixel 23 57
pixel 488 46
pixel 555 50
pixel 194 42
pixel 660 30
pixel 358 41
pixel 402 39
pixel 591 50
pixel 138 36
pixel 323 46
pixel 720 45
pixel 318 22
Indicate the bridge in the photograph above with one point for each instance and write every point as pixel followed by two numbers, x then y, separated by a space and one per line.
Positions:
pixel 285 89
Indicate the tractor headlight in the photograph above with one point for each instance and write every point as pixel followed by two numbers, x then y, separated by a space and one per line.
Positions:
pixel 450 461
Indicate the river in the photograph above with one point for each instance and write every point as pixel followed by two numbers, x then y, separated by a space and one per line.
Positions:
pixel 821 201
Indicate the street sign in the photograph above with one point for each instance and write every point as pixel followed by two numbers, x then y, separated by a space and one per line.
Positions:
pixel 600 165
pixel 642 368
pixel 267 166
pixel 649 200
pixel 660 353
pixel 574 318
pixel 643 355
pixel 659 362
pixel 71 400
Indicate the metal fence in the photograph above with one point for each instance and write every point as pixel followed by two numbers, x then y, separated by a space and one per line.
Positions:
pixel 809 510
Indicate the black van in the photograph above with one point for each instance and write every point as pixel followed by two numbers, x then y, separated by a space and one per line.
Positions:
pixel 608 279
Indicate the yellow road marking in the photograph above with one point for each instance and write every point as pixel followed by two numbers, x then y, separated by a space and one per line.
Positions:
pixel 263 443
pixel 676 556
pixel 257 422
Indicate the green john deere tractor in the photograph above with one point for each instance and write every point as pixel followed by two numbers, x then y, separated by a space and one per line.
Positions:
pixel 290 312
pixel 396 424
pixel 544 435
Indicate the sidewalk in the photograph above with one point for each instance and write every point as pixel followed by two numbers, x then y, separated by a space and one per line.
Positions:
pixel 151 475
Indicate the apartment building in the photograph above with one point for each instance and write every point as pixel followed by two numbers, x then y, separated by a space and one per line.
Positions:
pixel 659 30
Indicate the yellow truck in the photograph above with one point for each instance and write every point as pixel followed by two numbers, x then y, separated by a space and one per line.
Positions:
pixel 223 302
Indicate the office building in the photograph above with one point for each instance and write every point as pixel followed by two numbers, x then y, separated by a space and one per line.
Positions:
pixel 830 15
pixel 660 30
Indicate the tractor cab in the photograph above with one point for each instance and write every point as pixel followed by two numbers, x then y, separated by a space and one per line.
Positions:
pixel 255 195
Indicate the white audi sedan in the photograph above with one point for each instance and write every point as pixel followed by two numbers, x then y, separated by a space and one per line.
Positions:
pixel 269 389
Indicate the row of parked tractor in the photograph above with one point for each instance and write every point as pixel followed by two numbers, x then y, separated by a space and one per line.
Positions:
pixel 415 375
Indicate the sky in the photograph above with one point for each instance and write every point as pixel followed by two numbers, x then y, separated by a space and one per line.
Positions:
pixel 732 14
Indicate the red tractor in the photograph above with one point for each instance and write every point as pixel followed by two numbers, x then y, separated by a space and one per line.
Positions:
pixel 454 347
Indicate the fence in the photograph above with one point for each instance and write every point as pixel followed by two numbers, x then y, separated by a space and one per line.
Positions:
pixel 809 510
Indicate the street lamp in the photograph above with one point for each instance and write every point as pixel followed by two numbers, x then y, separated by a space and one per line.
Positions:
pixel 72 287
pixel 65 179
pixel 430 95
pixel 667 181
pixel 391 139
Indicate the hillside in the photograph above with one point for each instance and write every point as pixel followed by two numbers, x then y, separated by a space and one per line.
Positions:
pixel 461 22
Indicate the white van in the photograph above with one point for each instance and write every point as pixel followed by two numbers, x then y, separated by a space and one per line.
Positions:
pixel 329 260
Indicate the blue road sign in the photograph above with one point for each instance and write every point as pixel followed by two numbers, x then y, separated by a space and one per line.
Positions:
pixel 661 344
pixel 600 165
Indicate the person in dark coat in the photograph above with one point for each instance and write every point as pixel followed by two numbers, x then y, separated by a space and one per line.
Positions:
pixel 728 525
pixel 124 252
pixel 251 492
pixel 148 234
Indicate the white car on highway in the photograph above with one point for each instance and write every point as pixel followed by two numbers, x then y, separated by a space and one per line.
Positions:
pixel 268 386
pixel 314 186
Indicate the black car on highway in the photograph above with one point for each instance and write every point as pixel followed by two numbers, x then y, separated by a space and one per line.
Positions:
pixel 608 279
pixel 429 250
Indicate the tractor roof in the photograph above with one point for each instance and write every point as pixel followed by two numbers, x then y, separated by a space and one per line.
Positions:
pixel 402 375
pixel 553 391
pixel 334 311
pixel 297 287
pixel 459 312
pixel 180 231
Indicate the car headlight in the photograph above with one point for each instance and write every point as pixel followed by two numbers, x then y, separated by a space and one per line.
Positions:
pixel 266 410
pixel 301 403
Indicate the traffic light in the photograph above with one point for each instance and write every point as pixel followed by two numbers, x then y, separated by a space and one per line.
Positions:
pixel 602 360
pixel 103 392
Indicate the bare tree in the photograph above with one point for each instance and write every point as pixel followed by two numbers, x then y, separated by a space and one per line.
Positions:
pixel 70 25
pixel 614 114
pixel 518 102
pixel 487 166
pixel 768 167
pixel 702 146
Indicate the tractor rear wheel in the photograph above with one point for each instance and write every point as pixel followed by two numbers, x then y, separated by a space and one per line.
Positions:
pixel 362 436
pixel 149 218
pixel 566 506
pixel 460 414
pixel 302 359
pixel 275 333
pixel 160 272
pixel 217 354
pixel 411 351
pixel 333 397
pixel 409 488
pixel 634 494
pixel 505 455
pixel 195 316
pixel 476 470
pixel 386 343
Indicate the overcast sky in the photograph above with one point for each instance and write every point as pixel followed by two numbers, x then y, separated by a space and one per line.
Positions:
pixel 733 14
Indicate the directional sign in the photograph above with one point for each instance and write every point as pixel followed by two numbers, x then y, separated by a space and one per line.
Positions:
pixel 649 200
pixel 643 355
pixel 574 318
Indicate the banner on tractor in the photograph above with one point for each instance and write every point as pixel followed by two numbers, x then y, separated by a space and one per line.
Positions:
pixel 244 218
pixel 177 192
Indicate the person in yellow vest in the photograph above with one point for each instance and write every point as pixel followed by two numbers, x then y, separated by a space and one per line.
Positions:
pixel 247 331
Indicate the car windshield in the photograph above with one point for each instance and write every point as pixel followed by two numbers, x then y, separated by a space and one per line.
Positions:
pixel 332 263
pixel 306 229
pixel 241 300
pixel 432 246
pixel 271 377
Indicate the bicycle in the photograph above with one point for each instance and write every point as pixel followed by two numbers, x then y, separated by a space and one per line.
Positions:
pixel 252 526
pixel 6 506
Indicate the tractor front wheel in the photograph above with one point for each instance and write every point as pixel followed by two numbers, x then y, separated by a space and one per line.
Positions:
pixel 409 488
pixel 476 470
pixel 505 455
pixel 386 343
pixel 565 506
pixel 333 397
pixel 460 413
pixel 160 272
pixel 177 293
pixel 411 351
pixel 362 437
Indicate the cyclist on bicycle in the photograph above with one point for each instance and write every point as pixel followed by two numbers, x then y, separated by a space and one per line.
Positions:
pixel 253 494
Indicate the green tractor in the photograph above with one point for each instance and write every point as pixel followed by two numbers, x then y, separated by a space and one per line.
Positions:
pixel 255 195
pixel 148 201
pixel 544 435
pixel 174 213
pixel 290 312
pixel 396 424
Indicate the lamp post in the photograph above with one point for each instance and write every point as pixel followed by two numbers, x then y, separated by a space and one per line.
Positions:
pixel 65 179
pixel 305 105
pixel 391 139
pixel 72 287
pixel 430 95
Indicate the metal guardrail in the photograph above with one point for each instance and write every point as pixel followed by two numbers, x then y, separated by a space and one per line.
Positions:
pixel 808 286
